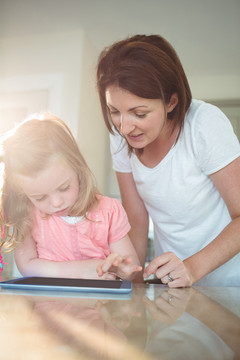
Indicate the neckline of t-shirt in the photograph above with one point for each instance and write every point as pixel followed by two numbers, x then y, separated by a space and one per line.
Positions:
pixel 166 158
pixel 72 220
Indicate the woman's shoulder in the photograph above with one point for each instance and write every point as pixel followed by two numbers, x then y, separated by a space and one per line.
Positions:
pixel 201 109
pixel 203 117
pixel 211 136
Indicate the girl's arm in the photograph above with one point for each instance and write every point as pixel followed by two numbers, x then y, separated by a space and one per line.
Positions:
pixel 123 260
pixel 137 216
pixel 29 264
pixel 220 250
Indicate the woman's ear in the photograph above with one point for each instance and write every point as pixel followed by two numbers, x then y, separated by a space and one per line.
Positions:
pixel 172 103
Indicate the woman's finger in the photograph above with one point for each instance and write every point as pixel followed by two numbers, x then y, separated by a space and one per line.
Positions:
pixel 156 263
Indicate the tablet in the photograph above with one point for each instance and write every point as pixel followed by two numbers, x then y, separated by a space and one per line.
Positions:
pixel 68 285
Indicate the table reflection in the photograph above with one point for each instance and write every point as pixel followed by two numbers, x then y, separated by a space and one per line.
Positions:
pixel 190 325
pixel 154 323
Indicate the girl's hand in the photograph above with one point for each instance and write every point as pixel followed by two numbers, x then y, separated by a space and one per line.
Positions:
pixel 121 266
pixel 108 276
pixel 170 269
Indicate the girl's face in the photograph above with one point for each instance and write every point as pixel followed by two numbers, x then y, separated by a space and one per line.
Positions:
pixel 141 121
pixel 53 190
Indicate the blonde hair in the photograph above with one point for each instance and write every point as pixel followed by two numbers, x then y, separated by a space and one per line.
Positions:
pixel 27 149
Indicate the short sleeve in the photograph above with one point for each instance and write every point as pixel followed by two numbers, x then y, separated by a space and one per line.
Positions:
pixel 118 222
pixel 119 152
pixel 216 143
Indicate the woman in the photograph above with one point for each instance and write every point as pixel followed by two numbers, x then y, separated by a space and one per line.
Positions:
pixel 176 160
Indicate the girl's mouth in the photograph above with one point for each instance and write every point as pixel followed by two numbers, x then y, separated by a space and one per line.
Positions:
pixel 63 212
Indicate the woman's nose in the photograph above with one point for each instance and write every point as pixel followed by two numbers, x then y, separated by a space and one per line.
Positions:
pixel 126 125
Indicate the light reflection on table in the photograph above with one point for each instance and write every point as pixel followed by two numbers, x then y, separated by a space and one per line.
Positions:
pixel 154 323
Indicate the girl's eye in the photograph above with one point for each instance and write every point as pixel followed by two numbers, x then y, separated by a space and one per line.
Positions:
pixel 66 188
pixel 41 198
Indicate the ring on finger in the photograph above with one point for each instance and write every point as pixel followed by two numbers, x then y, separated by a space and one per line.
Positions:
pixel 170 278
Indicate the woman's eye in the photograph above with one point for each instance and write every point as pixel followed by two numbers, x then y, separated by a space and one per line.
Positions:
pixel 66 188
pixel 140 116
pixel 113 112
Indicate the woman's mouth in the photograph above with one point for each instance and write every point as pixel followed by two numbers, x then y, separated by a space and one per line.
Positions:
pixel 135 137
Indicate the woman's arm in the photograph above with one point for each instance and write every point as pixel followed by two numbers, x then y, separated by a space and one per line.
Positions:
pixel 227 243
pixel 137 216
pixel 220 250
pixel 29 264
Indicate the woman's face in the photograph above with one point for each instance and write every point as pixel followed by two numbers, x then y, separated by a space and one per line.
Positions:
pixel 141 121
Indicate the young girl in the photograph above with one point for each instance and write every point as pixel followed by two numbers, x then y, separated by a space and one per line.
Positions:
pixel 51 212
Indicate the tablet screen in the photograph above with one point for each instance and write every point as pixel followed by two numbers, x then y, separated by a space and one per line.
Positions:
pixel 112 284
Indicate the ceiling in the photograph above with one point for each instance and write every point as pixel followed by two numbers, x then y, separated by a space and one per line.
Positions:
pixel 205 33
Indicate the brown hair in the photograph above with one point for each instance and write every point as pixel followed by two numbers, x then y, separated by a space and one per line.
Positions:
pixel 26 150
pixel 147 66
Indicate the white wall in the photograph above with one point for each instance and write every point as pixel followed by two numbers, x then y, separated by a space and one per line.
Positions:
pixel 92 133
pixel 221 87
pixel 47 55
pixel 64 65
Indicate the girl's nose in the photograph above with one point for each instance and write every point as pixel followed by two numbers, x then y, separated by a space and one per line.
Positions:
pixel 126 125
pixel 57 201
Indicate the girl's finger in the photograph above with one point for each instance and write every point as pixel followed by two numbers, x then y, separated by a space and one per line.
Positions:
pixel 106 266
pixel 107 263
pixel 118 260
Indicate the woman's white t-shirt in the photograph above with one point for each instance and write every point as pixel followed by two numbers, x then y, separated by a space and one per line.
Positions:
pixel 186 209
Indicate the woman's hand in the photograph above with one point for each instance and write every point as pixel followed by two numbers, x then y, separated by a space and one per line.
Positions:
pixel 169 305
pixel 170 269
pixel 121 266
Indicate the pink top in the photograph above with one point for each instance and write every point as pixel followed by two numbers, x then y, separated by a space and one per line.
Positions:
pixel 58 240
